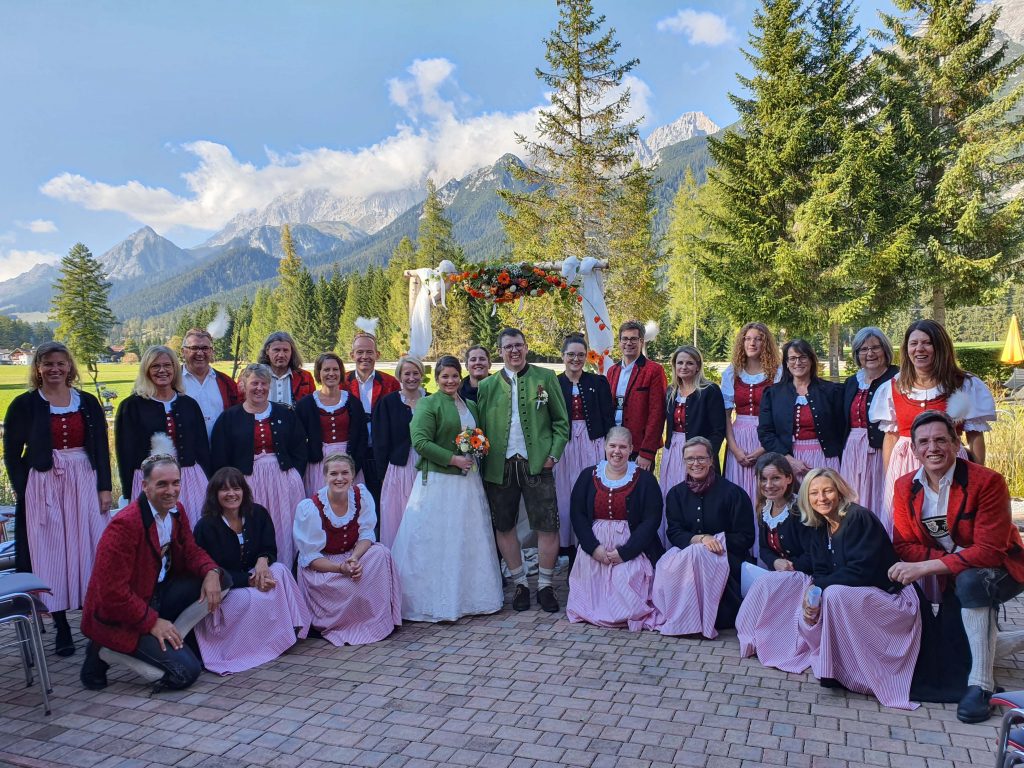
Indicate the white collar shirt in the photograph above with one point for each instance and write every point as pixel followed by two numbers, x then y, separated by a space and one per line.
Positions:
pixel 206 393
pixel 516 438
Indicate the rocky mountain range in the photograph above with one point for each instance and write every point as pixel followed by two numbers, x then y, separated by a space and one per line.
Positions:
pixel 150 274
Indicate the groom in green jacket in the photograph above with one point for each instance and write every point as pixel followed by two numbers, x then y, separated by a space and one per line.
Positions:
pixel 523 414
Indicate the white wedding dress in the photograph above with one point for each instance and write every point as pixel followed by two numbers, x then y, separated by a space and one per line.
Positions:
pixel 444 550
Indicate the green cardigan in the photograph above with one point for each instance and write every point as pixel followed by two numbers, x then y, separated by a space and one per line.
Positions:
pixel 435 425
pixel 546 428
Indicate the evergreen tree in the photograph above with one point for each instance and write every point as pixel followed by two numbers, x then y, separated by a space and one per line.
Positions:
pixel 353 308
pixel 80 308
pixel 295 301
pixel 575 169
pixel 958 115
pixel 631 284
pixel 264 321
pixel 238 337
pixel 403 258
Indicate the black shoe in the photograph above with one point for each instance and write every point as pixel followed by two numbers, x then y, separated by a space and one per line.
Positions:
pixel 64 645
pixel 974 707
pixel 546 599
pixel 94 669
pixel 521 600
pixel 829 682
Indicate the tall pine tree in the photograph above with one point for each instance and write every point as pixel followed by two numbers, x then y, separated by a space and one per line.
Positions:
pixel 296 302
pixel 631 284
pixel 80 308
pixel 957 116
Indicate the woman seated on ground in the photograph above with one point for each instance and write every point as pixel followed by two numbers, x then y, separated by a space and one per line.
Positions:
pixel 264 601
pixel 711 530
pixel 866 632
pixel 615 511
pixel 775 588
pixel 348 580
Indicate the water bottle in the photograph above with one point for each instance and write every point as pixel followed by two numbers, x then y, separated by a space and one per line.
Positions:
pixel 814 597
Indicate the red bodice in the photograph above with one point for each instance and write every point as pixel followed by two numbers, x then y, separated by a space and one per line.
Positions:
pixel 263 438
pixel 773 541
pixel 859 409
pixel 679 418
pixel 576 408
pixel 339 540
pixel 803 423
pixel 333 426
pixel 907 408
pixel 67 430
pixel 747 397
pixel 610 503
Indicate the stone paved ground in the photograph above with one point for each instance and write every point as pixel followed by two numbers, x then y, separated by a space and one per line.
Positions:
pixel 505 691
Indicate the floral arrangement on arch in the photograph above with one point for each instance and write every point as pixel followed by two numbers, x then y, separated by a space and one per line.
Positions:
pixel 504 283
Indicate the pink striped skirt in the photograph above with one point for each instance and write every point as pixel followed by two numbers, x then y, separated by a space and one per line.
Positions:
pixel 744 431
pixel 193 490
pixel 64 525
pixel 580 452
pixel 394 496
pixel 902 461
pixel 688 586
pixel 766 623
pixel 280 492
pixel 355 612
pixel 810 453
pixel 867 640
pixel 861 467
pixel 313 477
pixel 252 627
pixel 673 472
pixel 611 595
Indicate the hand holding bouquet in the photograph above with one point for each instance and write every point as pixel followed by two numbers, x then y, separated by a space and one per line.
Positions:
pixel 472 443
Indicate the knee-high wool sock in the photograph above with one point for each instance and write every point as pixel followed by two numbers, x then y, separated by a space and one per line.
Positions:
pixel 980 625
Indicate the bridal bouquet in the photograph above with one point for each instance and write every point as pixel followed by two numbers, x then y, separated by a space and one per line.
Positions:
pixel 472 443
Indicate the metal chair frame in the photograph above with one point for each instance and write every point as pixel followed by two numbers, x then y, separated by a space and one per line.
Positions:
pixel 22 610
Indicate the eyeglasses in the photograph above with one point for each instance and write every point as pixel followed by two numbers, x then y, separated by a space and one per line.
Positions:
pixel 797 359
pixel 198 349
pixel 870 350
pixel 692 460
pixel 576 355
pixel 513 347
pixel 629 340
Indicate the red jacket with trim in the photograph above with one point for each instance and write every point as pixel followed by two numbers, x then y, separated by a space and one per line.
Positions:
pixel 124 576
pixel 643 411
pixel 979 520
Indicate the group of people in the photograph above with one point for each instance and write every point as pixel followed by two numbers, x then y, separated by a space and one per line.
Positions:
pixel 342 503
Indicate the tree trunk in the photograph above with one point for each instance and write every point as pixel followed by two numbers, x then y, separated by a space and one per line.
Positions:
pixel 938 304
pixel 833 350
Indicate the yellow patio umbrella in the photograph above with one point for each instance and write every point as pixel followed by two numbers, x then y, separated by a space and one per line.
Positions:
pixel 1013 351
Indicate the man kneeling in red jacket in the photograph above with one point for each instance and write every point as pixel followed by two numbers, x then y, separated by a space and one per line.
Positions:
pixel 951 519
pixel 148 569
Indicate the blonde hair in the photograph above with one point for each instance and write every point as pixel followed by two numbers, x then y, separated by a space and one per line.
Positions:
pixel 847 495
pixel 677 383
pixel 344 458
pixel 412 360
pixel 144 387
pixel 35 381
pixel 770 357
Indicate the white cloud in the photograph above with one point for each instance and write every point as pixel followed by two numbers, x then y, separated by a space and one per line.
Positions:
pixel 38 226
pixel 15 262
pixel 434 141
pixel 700 27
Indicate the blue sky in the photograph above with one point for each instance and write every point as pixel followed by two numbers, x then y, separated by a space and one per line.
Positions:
pixel 181 114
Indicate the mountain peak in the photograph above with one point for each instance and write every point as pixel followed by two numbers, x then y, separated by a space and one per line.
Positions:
pixel 688 125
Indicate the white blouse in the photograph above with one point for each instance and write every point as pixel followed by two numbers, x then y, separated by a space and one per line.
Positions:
pixel 63 410
pixel 611 485
pixel 308 532
pixel 981 406
pixel 728 385
pixel 331 408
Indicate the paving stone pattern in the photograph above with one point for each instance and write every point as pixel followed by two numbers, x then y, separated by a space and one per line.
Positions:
pixel 513 690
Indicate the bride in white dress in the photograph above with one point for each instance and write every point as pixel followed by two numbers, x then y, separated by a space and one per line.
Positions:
pixel 444 550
